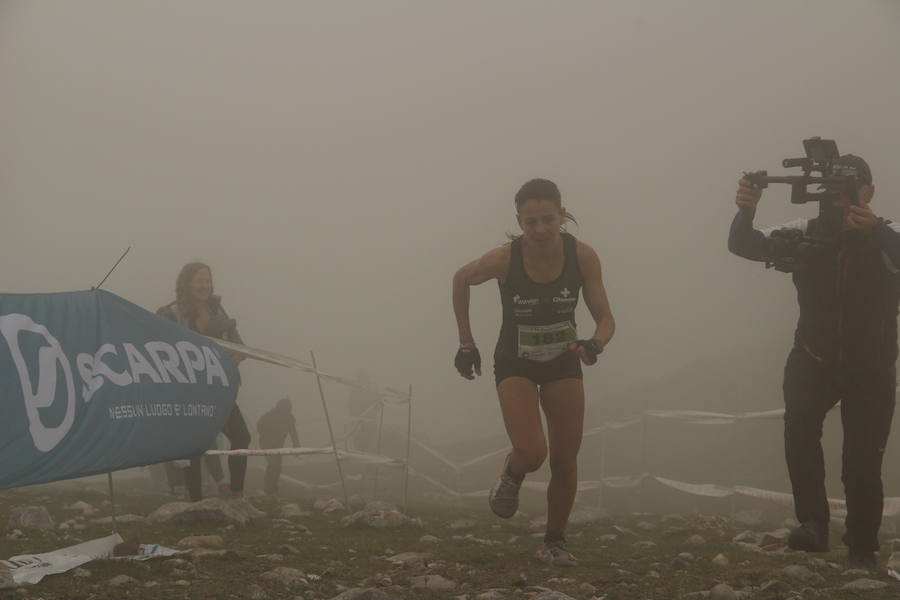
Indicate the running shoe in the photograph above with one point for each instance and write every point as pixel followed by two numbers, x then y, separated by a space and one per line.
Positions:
pixel 557 554
pixel 504 497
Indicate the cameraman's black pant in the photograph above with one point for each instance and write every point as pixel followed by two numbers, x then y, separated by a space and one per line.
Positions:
pixel 867 407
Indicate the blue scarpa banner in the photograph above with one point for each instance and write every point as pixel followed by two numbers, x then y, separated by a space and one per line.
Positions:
pixel 91 383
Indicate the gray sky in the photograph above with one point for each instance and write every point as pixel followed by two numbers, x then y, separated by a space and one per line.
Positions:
pixel 335 162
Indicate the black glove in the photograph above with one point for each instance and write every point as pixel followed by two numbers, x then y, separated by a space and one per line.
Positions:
pixel 591 347
pixel 467 358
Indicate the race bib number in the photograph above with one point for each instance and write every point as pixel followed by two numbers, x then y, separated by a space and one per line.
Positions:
pixel 545 342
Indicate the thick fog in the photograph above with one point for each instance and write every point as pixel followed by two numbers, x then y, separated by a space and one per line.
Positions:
pixel 336 162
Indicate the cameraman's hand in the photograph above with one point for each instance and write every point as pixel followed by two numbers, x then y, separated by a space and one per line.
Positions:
pixel 860 218
pixel 747 194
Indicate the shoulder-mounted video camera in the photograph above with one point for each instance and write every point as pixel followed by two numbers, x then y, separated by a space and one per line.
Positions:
pixel 790 248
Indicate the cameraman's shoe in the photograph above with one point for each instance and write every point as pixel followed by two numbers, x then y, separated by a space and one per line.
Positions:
pixel 811 536
pixel 862 560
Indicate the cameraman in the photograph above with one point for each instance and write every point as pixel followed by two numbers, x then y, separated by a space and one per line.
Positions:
pixel 845 349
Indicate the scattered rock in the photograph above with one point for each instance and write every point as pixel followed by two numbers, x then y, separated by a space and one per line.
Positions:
pixel 552 595
pixel 777 537
pixel 644 545
pixel 624 532
pixel 687 556
pixel 30 517
pixel 432 582
pixel 775 587
pixel 748 518
pixel 894 561
pixel 254 592
pixel 461 524
pixel 722 591
pixel 646 526
pixel 858 573
pixel 82 507
pixel 583 516
pixel 380 515
pixel 410 559
pixel 588 588
pixel 246 508
pixel 127 518
pixel 429 539
pixel 80 573
pixel 695 540
pixel 6 579
pixel 720 560
pixel 746 537
pixel 293 511
pixel 797 573
pixel 209 510
pixel 364 594
pixel 329 505
pixel 202 541
pixel 490 595
pixel 122 581
pixel 865 585
pixel 285 577
pixel 818 563
pixel 679 564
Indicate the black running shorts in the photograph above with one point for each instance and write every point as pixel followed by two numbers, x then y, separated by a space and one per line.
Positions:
pixel 565 366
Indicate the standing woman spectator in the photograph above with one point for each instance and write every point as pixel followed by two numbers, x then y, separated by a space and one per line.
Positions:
pixel 198 309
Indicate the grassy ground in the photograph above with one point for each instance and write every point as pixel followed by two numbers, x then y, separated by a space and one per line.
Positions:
pixel 339 557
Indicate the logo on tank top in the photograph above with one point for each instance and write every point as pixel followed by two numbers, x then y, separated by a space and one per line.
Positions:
pixel 564 296
pixel 519 300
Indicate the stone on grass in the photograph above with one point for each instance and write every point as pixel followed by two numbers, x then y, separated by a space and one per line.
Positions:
pixel 285 577
pixel 210 510
pixel 460 524
pixel 378 515
pixel 695 540
pixel 410 559
pixel 722 591
pixel 552 595
pixel 30 517
pixel 201 541
pixel 429 539
pixel 865 585
pixel 122 581
pixel 364 594
pixel 293 511
pixel 432 582
pixel 720 560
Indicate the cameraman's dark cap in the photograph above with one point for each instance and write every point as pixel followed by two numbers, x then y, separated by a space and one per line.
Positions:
pixel 538 189
pixel 850 164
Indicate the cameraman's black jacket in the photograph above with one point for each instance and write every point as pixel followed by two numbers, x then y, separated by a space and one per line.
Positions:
pixel 848 294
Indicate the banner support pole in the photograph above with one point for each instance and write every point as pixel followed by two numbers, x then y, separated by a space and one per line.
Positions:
pixel 337 458
pixel 112 500
pixel 408 450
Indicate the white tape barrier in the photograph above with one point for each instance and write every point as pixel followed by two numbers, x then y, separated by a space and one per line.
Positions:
pixel 690 416
pixel 389 396
pixel 359 457
pixel 697 417
pixel 709 490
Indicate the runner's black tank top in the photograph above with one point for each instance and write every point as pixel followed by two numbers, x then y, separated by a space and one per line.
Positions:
pixel 538 318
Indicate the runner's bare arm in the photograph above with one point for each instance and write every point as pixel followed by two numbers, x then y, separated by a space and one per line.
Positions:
pixel 595 294
pixel 492 265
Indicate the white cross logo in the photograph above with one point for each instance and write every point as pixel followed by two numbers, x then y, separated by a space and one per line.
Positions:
pixel 565 293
